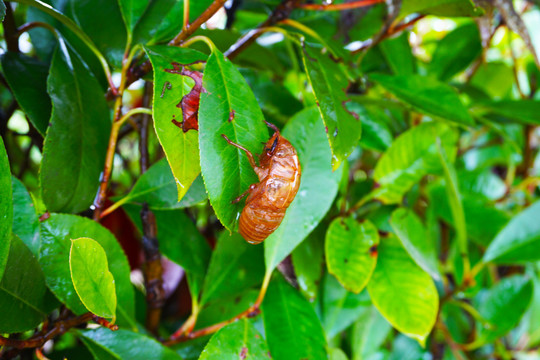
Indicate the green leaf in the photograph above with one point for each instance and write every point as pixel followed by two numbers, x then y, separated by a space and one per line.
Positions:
pixel 403 293
pixel 426 95
pixel 2 11
pixel 306 133
pixel 157 188
pixel 524 110
pixel 329 85
pixel 108 34
pixel 456 51
pixel 180 241
pixel 235 265
pixel 132 11
pixel 308 262
pixel 340 308
pixel 91 277
pixel 222 310
pixel 125 344
pixel 25 219
pixel 375 132
pixel 24 298
pixel 76 142
pixel 292 328
pixel 412 155
pixel 181 148
pixel 56 234
pixel 6 207
pixel 351 252
pixel 444 8
pixel 398 54
pixel 414 238
pixel 503 306
pixel 478 213
pixel 454 199
pixel 27 78
pixel 239 340
pixel 228 107
pixel 518 241
pixel 368 334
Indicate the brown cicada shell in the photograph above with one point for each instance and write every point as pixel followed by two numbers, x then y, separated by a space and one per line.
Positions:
pixel 279 179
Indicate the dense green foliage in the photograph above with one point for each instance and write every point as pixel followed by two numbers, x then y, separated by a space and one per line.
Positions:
pixel 414 234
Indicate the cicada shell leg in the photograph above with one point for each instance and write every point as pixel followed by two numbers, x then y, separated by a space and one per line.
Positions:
pixel 248 153
pixel 244 194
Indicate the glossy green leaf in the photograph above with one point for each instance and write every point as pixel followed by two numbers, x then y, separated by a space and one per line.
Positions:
pixel 308 262
pixel 125 344
pixel 132 11
pixel 454 199
pixel 76 142
pixel 292 328
pixel 6 207
pixel 56 234
pixel 329 85
pixel 27 78
pixel 180 241
pixel 447 8
pixel 414 238
pixel 181 148
pixel 157 188
pixel 235 265
pixel 368 334
pixel 456 51
pixel 503 306
pixel 478 213
pixel 351 252
pixel 25 219
pixel 24 298
pixel 376 134
pixel 412 155
pixel 228 107
pixel 306 133
pixel 162 20
pixel 91 277
pixel 239 340
pixel 108 34
pixel 222 310
pixel 518 241
pixel 403 293
pixel 340 308
pixel 398 54
pixel 525 110
pixel 426 95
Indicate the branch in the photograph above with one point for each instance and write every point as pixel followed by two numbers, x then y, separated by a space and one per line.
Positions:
pixel 391 31
pixel 10 30
pixel 153 271
pixel 282 12
pixel 59 328
pixel 191 28
pixel 339 7
pixel 254 310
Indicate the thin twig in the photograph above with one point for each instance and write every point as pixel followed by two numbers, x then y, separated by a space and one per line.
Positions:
pixel 391 31
pixel 191 28
pixel 35 24
pixel 181 335
pixel 58 328
pixel 282 12
pixel 339 7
